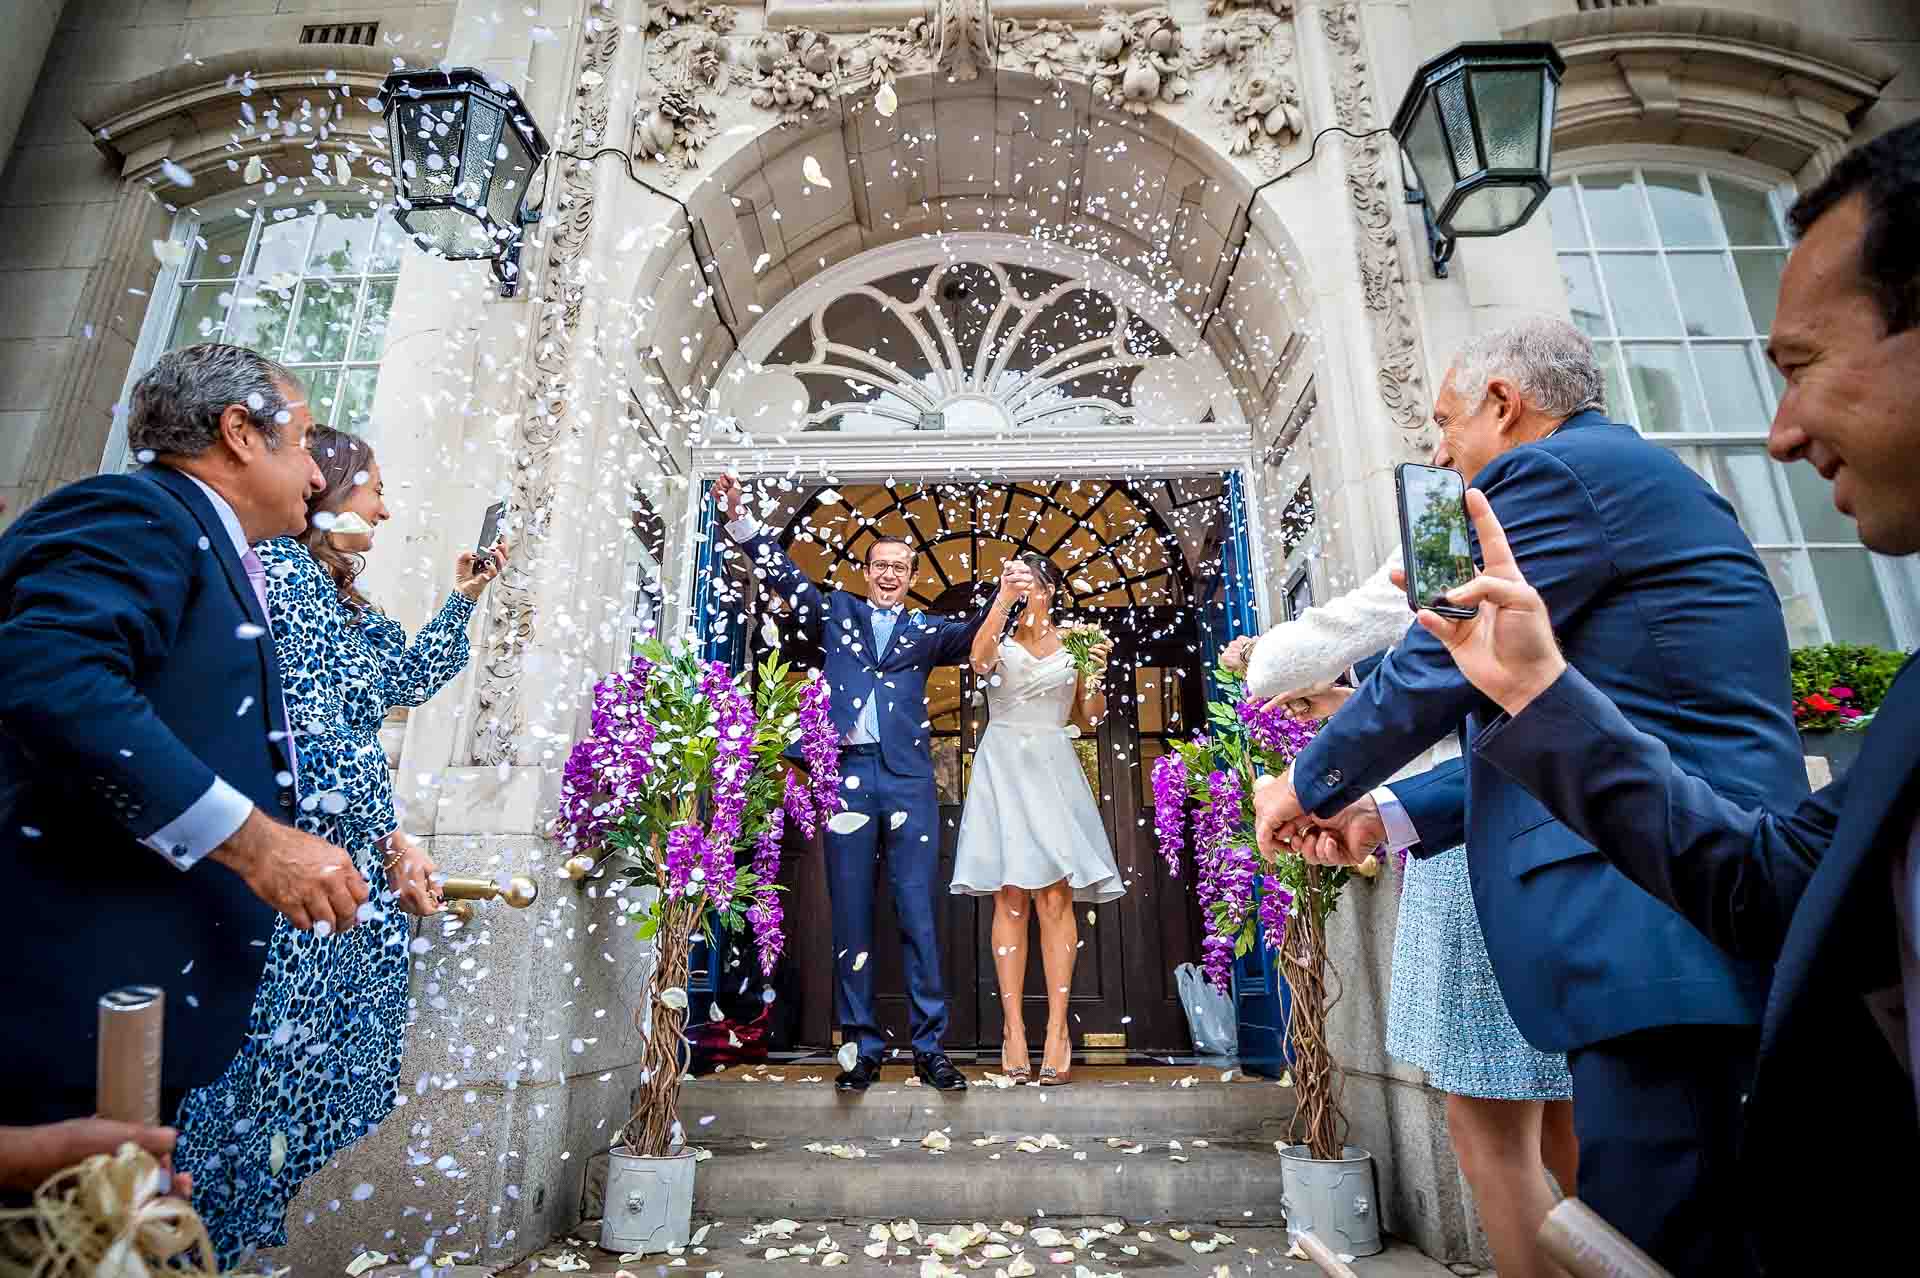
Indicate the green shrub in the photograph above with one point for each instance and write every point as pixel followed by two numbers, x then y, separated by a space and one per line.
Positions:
pixel 1837 685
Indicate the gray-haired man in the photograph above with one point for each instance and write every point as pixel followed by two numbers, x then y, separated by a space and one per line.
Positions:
pixel 146 774
pixel 1658 597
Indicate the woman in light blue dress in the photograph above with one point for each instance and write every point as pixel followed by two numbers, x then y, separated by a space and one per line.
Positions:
pixel 322 1058
pixel 1509 1104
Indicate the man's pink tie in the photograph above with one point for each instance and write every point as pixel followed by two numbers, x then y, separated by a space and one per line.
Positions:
pixel 257 577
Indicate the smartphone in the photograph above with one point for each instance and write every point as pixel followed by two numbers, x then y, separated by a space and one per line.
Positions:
pixel 490 529
pixel 1435 546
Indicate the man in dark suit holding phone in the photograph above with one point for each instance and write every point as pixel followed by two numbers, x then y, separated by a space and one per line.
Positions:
pixel 1658 595
pixel 1828 888
pixel 146 773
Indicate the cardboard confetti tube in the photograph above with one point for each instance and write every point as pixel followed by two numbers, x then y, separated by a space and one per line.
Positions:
pixel 127 1080
pixel 1323 1256
pixel 1577 1239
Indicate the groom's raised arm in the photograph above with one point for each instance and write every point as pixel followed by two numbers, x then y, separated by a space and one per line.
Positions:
pixel 764 553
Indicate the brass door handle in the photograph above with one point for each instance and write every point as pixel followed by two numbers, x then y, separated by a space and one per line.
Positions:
pixel 462 891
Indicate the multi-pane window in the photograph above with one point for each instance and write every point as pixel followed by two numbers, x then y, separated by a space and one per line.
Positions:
pixel 1673 274
pixel 310 284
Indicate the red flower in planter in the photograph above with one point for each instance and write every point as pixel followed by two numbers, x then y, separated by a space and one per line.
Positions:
pixel 1821 704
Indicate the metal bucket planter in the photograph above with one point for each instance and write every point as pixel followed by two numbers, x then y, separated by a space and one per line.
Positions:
pixel 1839 749
pixel 649 1202
pixel 1333 1199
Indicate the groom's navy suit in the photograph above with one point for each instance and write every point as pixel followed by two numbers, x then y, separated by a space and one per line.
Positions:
pixel 1659 599
pixel 889 781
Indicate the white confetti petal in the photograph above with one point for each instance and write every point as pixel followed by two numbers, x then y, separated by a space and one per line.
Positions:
pixel 859 960
pixel 886 101
pixel 809 169
pixel 676 998
pixel 897 820
pixel 255 170
pixel 847 822
pixel 849 1055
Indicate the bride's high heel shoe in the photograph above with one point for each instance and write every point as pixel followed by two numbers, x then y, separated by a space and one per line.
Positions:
pixel 1051 1077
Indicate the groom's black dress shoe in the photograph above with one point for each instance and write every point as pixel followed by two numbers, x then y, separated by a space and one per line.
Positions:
pixel 864 1074
pixel 937 1072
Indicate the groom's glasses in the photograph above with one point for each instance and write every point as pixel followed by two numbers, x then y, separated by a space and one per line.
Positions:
pixel 884 568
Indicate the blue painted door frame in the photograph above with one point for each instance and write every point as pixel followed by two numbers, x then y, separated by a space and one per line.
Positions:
pixel 1260 997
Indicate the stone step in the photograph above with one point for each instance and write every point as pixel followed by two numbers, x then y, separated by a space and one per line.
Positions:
pixel 723 1111
pixel 1226 1183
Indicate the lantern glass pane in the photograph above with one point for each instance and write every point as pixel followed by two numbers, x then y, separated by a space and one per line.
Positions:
pixel 1490 210
pixel 1427 148
pixel 1452 96
pixel 433 134
pixel 484 122
pixel 449 232
pixel 512 166
pixel 1505 102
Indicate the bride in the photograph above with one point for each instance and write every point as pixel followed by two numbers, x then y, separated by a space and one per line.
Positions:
pixel 1031 836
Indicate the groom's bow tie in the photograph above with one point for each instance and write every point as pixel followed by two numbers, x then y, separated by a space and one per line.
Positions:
pixel 878 611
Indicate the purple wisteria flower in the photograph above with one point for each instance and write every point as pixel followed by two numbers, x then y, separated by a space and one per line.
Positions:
pixel 1273 729
pixel 818 798
pixel 765 915
pixel 686 852
pixel 607 767
pixel 1224 872
pixel 1276 903
pixel 734 723
pixel 1170 808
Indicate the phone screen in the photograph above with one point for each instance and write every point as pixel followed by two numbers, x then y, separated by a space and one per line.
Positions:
pixel 1433 515
pixel 490 527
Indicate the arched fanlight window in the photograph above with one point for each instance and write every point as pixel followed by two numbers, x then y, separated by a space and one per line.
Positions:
pixel 980 344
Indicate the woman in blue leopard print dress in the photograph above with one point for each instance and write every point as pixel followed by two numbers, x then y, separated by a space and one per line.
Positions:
pixel 322 1058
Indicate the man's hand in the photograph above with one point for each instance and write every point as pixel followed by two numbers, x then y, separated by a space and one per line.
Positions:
pixel 1015 580
pixel 309 880
pixel 1312 704
pixel 1506 649
pixel 727 495
pixel 1277 814
pixel 28 1155
pixel 410 874
pixel 1238 653
pixel 1346 838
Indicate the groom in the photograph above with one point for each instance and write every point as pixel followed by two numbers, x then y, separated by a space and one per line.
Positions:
pixel 878 659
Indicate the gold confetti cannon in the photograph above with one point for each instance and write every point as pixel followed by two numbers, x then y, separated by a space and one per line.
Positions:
pixel 462 891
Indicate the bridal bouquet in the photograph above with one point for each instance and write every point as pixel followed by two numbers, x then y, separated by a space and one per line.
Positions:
pixel 682 777
pixel 1213 776
pixel 1080 641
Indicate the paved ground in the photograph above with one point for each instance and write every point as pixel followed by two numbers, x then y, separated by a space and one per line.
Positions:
pixel 1080 1249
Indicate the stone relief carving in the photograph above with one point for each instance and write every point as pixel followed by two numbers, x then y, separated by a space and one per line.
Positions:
pixel 960 36
pixel 1047 49
pixel 510 604
pixel 1139 61
pixel 1373 190
pixel 793 71
pixel 1257 98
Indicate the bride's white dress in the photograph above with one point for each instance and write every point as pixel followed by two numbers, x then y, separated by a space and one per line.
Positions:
pixel 1030 820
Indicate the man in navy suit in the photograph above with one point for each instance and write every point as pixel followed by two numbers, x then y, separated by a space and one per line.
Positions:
pixel 1828 889
pixel 146 776
pixel 1658 595
pixel 878 658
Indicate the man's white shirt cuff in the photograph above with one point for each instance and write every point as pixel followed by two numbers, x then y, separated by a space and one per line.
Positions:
pixel 203 827
pixel 1400 831
pixel 745 528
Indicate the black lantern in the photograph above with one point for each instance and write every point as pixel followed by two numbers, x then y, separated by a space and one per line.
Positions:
pixel 1477 125
pixel 464 152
